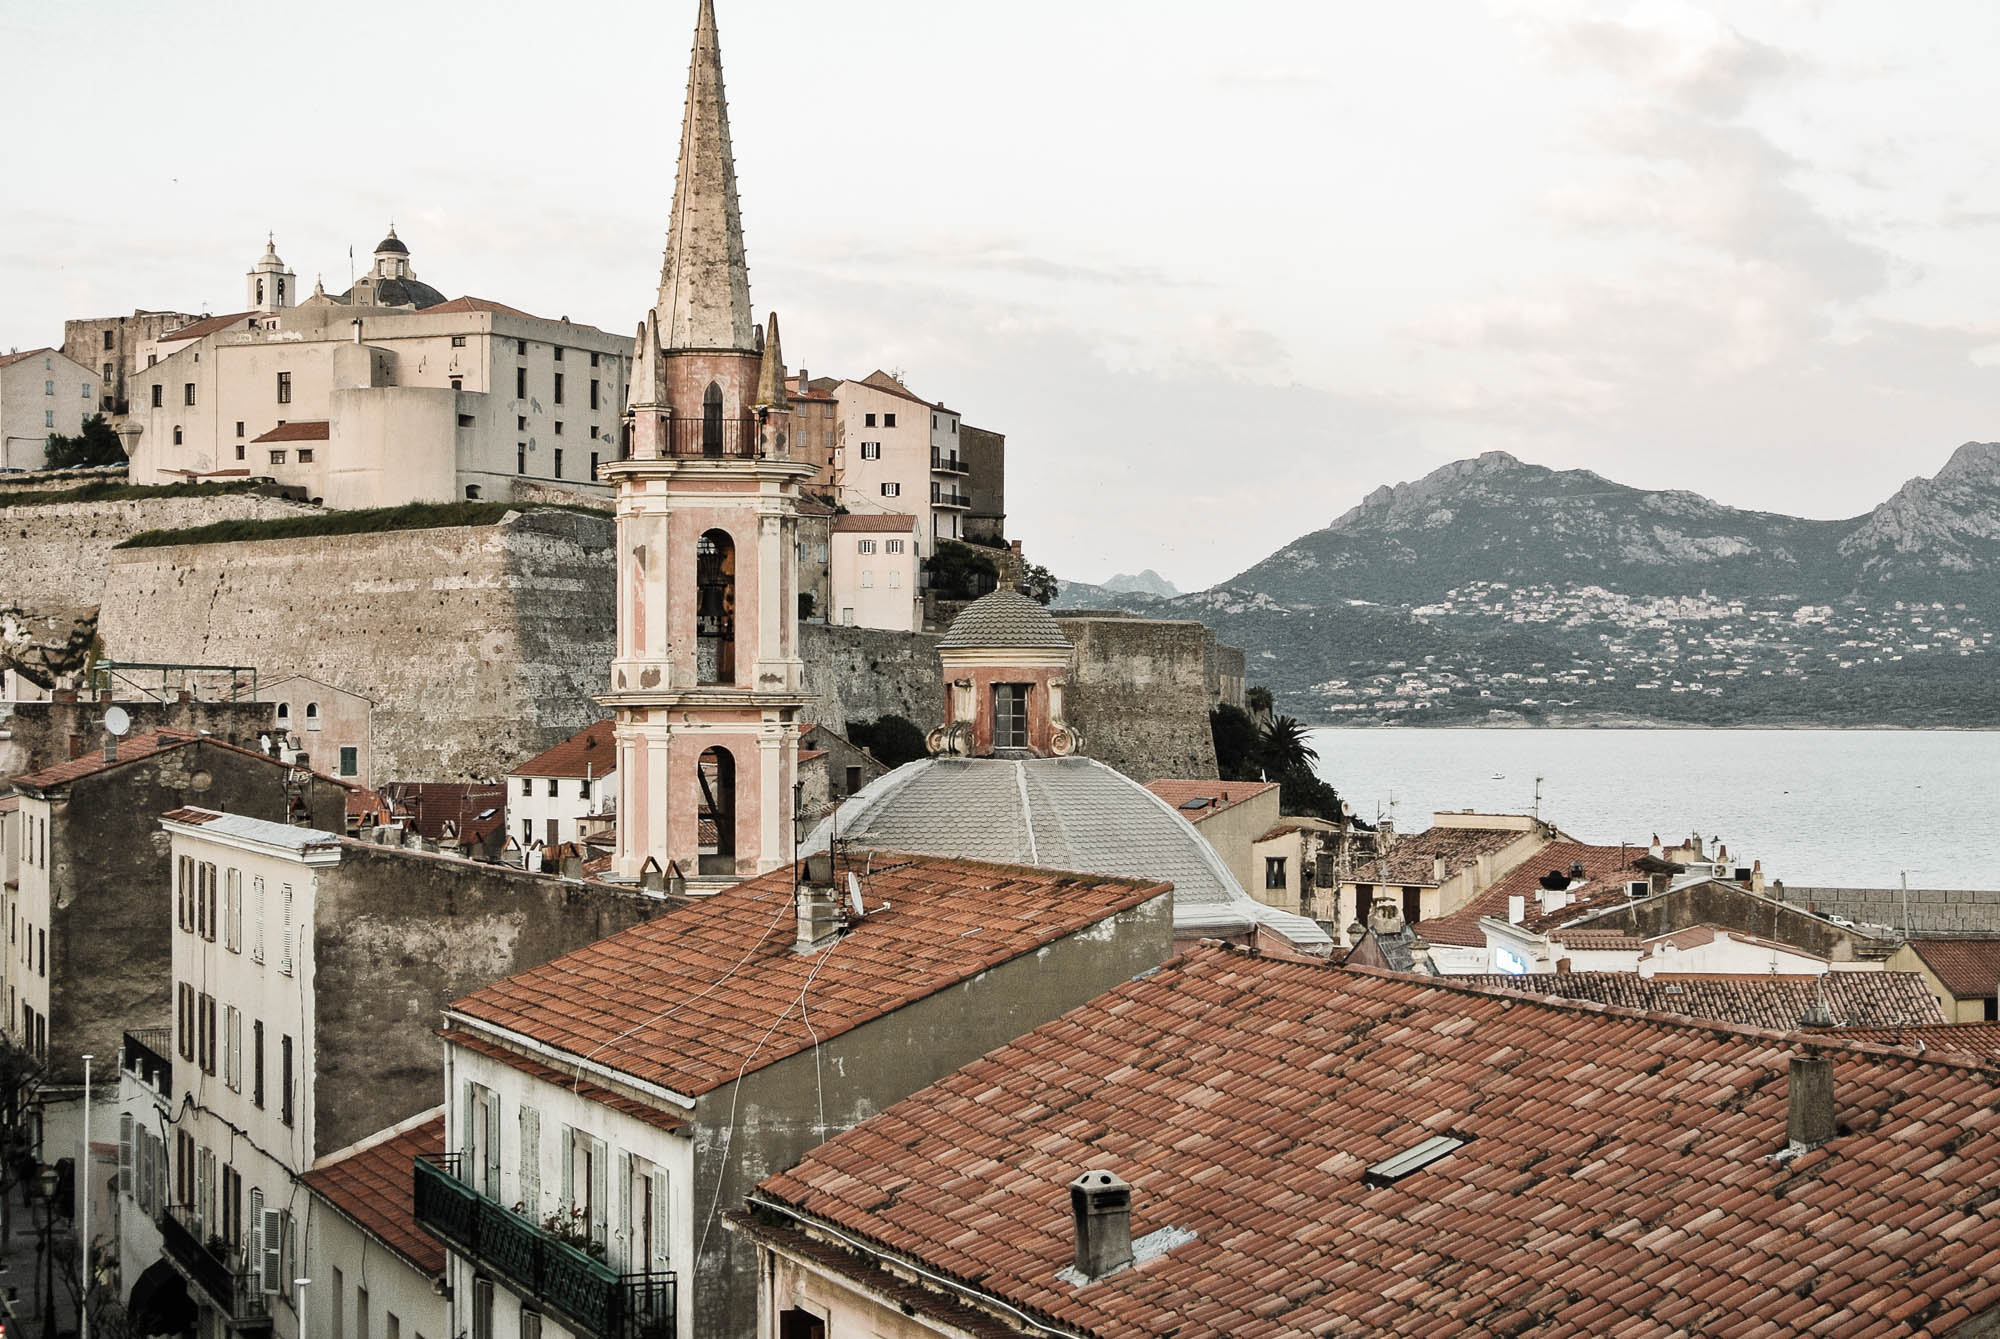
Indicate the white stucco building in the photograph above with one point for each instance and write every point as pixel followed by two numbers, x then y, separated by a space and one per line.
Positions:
pixel 873 568
pixel 372 405
pixel 548 795
pixel 41 392
pixel 898 452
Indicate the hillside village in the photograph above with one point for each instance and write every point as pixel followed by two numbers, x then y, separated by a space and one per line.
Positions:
pixel 517 852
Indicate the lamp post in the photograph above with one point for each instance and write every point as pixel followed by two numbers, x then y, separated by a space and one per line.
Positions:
pixel 47 1300
pixel 83 1195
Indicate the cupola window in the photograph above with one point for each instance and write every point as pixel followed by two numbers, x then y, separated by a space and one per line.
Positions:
pixel 1010 715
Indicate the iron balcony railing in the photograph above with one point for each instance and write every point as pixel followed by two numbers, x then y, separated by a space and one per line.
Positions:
pixel 713 438
pixel 948 464
pixel 942 497
pixel 146 1058
pixel 587 1293
pixel 237 1293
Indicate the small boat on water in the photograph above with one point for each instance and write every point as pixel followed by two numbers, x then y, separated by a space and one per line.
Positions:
pixel 1499 776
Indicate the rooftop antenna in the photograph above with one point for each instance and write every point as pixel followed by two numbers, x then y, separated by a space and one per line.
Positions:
pixel 1905 874
pixel 854 895
pixel 116 723
pixel 1538 799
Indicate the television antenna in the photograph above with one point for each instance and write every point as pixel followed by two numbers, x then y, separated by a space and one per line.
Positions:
pixel 117 721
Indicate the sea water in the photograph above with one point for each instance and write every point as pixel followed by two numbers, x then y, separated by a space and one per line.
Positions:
pixel 1844 808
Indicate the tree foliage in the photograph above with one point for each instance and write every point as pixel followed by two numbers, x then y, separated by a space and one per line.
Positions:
pixel 893 739
pixel 1278 752
pixel 96 444
pixel 961 571
pixel 1038 583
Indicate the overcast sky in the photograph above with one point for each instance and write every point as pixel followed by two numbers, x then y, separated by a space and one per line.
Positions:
pixel 1217 270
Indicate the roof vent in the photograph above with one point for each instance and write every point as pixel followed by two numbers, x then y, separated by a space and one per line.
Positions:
pixel 1809 1100
pixel 1100 1206
pixel 818 910
pixel 1391 1170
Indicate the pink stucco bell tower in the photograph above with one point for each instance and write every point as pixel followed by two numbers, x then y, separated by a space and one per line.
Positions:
pixel 706 682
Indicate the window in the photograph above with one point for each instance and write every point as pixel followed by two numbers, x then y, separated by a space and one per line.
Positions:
pixel 152 358
pixel 520 383
pixel 888 420
pixel 593 360
pixel 1010 715
pixel 312 715
pixel 184 1025
pixel 527 786
pixel 239 450
pixel 593 458
pixel 892 546
pixel 864 546
pixel 464 420
pixel 339 1304
pixel 594 431
pixel 892 490
pixel 156 395
pixel 482 1308
pixel 305 455
pixel 796 1324
pixel 895 580
pixel 107 339
pixel 559 377
pixel 48 418
pixel 520 457
pixel 105 372
pixel 521 347
pixel 257 1063
pixel 531 1161
pixel 847 617
pixel 285 1079
pixel 1274 871
pixel 49 387
pixel 350 761
pixel 853 779
pixel 239 427
pixel 559 427
pixel 559 353
pixel 559 462
pixel 207 1035
pixel 458 341
pixel 232 910
pixel 1413 905
pixel 520 423
pixel 871 450
pixel 867 581
pixel 360 1313
pixel 458 384
pixel 277 457
pixel 552 788
pixel 593 388
pixel 867 420
pixel 257 938
pixel 284 388
pixel 933 422
pixel 232 1047
pixel 177 434
pixel 285 919
pixel 205 890
pixel 187 392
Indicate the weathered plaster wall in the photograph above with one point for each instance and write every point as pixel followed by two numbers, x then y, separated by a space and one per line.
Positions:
pixel 400 934
pixel 34 735
pixel 863 674
pixel 480 645
pixel 1141 694
pixel 778 1110
pixel 111 927
pixel 57 553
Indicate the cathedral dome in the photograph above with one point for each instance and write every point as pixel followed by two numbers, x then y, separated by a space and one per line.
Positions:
pixel 1004 619
pixel 1058 813
pixel 392 243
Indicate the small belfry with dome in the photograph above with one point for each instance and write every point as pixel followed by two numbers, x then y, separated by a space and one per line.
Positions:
pixel 1006 663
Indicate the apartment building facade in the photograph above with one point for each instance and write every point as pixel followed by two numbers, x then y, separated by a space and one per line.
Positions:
pixel 42 391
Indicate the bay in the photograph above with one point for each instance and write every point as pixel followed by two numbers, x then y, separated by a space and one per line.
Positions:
pixel 1840 808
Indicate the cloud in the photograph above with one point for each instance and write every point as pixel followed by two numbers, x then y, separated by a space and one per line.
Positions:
pixel 1675 50
pixel 990 255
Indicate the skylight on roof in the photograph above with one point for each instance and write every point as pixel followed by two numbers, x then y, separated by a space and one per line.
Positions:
pixel 1198 802
pixel 1415 1159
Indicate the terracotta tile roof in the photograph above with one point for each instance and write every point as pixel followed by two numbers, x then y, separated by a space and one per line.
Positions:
pixel 129 751
pixel 812 506
pixel 1856 999
pixel 470 304
pixel 688 1000
pixel 1969 968
pixel 535 1069
pixel 1975 1043
pixel 1603 941
pixel 305 430
pixel 375 1187
pixel 1700 936
pixel 1413 859
pixel 206 326
pixel 474 808
pixel 891 523
pixel 1625 1174
pixel 1603 866
pixel 591 751
pixel 1220 795
pixel 882 381
pixel 9 359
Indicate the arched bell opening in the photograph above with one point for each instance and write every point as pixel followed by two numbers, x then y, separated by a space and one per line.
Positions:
pixel 717 842
pixel 715 608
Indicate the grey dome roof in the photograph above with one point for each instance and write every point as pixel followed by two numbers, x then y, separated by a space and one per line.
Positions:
pixel 392 243
pixel 1057 813
pixel 400 293
pixel 1005 618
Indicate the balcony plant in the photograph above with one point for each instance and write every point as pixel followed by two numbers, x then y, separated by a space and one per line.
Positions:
pixel 571 1227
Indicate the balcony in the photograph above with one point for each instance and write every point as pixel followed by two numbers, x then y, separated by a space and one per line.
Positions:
pixel 947 464
pixel 944 497
pixel 712 439
pixel 236 1293
pixel 145 1059
pixel 585 1292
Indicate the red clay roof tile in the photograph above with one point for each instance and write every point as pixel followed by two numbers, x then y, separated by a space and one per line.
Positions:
pixel 1969 968
pixel 376 1188
pixel 590 751
pixel 1220 795
pixel 1603 867
pixel 305 430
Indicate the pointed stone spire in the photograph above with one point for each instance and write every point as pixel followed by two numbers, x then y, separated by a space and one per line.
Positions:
pixel 771 374
pixel 705 281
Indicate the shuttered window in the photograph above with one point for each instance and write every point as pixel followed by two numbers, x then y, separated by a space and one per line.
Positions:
pixel 531 1162
pixel 285 917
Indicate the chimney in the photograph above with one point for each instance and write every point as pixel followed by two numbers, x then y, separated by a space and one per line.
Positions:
pixel 1437 869
pixel 1100 1205
pixel 1809 1120
pixel 818 914
pixel 110 747
pixel 1385 917
pixel 1517 908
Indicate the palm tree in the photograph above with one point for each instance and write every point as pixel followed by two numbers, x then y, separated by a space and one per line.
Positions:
pixel 1285 748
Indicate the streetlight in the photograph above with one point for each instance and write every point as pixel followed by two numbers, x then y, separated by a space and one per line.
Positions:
pixel 47 1300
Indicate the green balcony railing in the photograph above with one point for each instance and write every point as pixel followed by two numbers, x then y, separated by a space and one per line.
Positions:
pixel 585 1291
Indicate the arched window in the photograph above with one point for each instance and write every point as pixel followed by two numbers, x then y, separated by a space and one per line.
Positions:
pixel 260 292
pixel 177 434
pixel 711 421
pixel 715 608
pixel 718 812
pixel 281 292
pixel 312 715
pixel 472 492
pixel 284 711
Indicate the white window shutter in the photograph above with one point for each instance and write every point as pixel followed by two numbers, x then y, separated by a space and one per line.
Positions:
pixel 125 1153
pixel 285 915
pixel 271 1239
pixel 621 1214
pixel 253 1231
pixel 531 1162
pixel 468 1132
pixel 257 944
pixel 567 1151
pixel 599 1174
pixel 492 1177
pixel 661 1219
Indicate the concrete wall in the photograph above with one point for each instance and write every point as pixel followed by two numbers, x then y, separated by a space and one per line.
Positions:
pixel 1141 694
pixel 1233 831
pixel 770 1119
pixel 985 457
pixel 34 735
pixel 57 553
pixel 400 934
pixel 480 645
pixel 1734 908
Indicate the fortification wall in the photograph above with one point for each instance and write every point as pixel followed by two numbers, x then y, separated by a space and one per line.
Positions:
pixel 480 645
pixel 863 674
pixel 1141 694
pixel 57 553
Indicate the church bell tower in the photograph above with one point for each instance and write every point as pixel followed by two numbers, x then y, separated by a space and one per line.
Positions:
pixel 706 683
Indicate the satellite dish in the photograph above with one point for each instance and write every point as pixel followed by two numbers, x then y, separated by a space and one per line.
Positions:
pixel 854 893
pixel 116 721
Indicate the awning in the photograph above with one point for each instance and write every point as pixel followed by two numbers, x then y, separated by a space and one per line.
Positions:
pixel 160 1304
